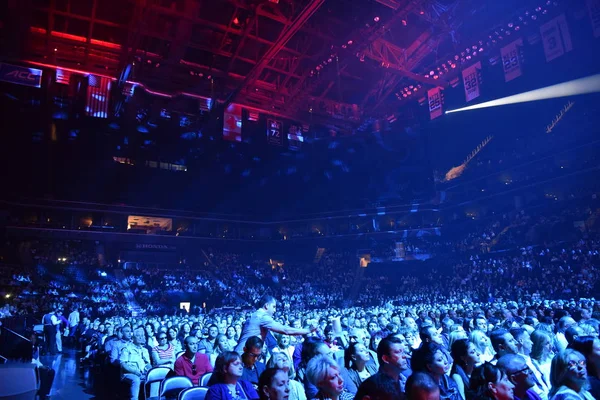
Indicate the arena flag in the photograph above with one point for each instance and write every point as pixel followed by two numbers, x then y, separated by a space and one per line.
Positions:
pixel 511 62
pixel 471 81
pixel 63 76
pixel 97 96
pixel 594 9
pixel 556 38
pixel 232 123
pixel 435 102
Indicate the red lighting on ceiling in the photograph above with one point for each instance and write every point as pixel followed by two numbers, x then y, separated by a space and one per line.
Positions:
pixel 236 21
pixel 376 19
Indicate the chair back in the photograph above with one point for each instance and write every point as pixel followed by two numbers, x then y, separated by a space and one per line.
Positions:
pixel 18 381
pixel 153 380
pixel 195 393
pixel 171 387
pixel 204 380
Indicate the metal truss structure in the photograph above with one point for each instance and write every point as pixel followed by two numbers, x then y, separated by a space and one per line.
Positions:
pixel 318 61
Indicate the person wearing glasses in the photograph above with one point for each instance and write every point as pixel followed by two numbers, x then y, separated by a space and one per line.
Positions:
pixel 520 375
pixel 164 353
pixel 192 363
pixel 226 383
pixel 568 376
pixel 589 346
pixel 250 358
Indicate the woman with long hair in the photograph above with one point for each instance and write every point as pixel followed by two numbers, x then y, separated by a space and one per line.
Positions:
pixel 488 382
pixel 232 336
pixel 357 366
pixel 281 361
pixel 589 346
pixel 568 377
pixel 483 344
pixel 541 352
pixel 466 357
pixel 226 383
pixel 432 359
pixel 221 346
pixel 172 339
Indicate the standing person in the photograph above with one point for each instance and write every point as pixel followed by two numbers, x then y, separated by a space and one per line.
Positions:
pixel 73 321
pixel 61 319
pixel 261 322
pixel 50 322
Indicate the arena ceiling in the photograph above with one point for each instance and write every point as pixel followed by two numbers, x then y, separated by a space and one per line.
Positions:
pixel 319 60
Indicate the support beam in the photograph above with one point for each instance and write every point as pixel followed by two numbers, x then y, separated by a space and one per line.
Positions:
pixel 288 32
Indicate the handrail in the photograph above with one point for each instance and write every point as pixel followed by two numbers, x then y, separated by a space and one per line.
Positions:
pixel 15 333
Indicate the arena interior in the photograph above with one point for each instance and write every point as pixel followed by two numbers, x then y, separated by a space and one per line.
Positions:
pixel 287 199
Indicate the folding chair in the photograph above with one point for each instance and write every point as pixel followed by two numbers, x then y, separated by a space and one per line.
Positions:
pixel 195 393
pixel 171 387
pixel 153 380
pixel 205 378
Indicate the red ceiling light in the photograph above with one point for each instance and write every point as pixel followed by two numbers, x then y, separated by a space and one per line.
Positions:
pixel 376 19
pixel 236 21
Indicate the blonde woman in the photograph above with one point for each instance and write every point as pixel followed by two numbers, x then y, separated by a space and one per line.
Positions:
pixel 282 361
pixel 483 344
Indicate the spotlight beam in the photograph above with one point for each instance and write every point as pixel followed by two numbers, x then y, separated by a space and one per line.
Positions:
pixel 590 84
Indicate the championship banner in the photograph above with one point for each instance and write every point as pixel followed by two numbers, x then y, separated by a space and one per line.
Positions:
pixel 21 75
pixel 511 62
pixel 232 123
pixel 556 38
pixel 295 138
pixel 274 132
pixel 97 96
pixel 435 102
pixel 594 9
pixel 471 81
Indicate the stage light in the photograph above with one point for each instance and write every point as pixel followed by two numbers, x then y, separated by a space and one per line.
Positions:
pixel 376 19
pixel 590 84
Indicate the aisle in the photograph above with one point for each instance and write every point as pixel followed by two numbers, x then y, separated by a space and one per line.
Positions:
pixel 71 381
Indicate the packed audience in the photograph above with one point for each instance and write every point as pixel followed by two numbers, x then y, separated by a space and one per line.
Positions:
pixel 520 323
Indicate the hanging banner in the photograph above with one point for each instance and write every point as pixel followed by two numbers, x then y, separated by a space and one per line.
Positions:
pixel 435 102
pixel 471 81
pixel 594 9
pixel 274 132
pixel 295 138
pixel 511 62
pixel 21 75
pixel 556 38
pixel 232 123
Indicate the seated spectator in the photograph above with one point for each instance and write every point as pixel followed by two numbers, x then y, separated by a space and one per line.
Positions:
pixel 173 341
pixel 135 363
pixel 164 353
pixel 324 373
pixel 568 377
pixel 192 363
pixel 357 366
pixel 421 386
pixel 388 382
pixel 589 346
pixel 432 359
pixel 541 352
pixel 274 384
pixel 282 361
pixel 519 375
pixel 466 357
pixel 118 345
pixel 221 345
pixel 226 382
pixel 252 367
pixel 483 344
pixel 489 382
